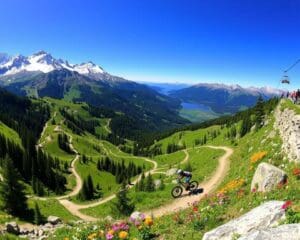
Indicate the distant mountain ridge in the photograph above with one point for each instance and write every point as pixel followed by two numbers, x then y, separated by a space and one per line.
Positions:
pixel 41 75
pixel 222 98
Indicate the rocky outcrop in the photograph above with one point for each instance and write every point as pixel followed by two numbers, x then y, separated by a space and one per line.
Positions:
pixel 288 124
pixel 13 228
pixel 267 177
pixel 283 232
pixel 262 217
pixel 53 220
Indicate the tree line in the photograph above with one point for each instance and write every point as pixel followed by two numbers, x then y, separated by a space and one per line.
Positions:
pixel 119 170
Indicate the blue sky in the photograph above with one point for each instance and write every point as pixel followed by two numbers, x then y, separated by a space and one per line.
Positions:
pixel 244 42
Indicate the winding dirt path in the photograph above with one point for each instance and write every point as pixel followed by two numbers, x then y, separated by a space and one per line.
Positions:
pixel 208 186
pixel 176 205
pixel 74 208
pixel 78 179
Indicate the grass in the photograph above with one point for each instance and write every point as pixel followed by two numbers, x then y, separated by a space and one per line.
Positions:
pixel 52 207
pixel 203 161
pixel 241 199
pixel 10 134
pixel 197 115
pixel 169 160
pixel 288 104
pixel 188 137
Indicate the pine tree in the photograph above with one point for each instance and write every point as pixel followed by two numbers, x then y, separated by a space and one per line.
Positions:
pixel 123 205
pixel 13 199
pixel 84 192
pixel 90 185
pixel 38 217
pixel 149 184
pixel 142 183
pixel 259 113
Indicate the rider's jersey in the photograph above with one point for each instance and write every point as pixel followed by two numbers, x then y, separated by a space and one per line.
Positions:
pixel 186 174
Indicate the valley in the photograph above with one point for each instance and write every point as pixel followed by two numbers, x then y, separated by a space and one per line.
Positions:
pixel 217 154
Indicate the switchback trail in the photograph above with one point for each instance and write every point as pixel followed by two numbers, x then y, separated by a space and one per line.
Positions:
pixel 74 208
pixel 208 186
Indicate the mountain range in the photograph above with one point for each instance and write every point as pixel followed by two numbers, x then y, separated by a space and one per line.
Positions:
pixel 154 106
pixel 41 75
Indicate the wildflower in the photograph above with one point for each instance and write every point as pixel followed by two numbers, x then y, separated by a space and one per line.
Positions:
pixel 66 238
pixel 92 236
pixel 253 190
pixel 296 172
pixel 286 205
pixel 109 236
pixel 101 233
pixel 257 156
pixel 149 221
pixel 123 235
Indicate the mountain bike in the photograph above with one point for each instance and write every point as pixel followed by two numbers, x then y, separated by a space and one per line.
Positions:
pixel 178 190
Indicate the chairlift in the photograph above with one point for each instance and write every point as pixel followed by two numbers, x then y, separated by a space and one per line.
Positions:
pixel 285 79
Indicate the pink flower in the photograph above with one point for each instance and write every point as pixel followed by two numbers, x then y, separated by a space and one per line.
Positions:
pixel 109 236
pixel 286 205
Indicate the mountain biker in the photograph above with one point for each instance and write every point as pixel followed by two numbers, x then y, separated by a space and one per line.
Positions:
pixel 187 177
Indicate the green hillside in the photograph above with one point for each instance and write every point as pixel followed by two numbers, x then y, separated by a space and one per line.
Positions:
pixel 71 135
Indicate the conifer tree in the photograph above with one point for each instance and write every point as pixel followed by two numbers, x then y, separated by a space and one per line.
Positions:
pixel 259 113
pixel 149 184
pixel 90 185
pixel 13 199
pixel 123 205
pixel 38 217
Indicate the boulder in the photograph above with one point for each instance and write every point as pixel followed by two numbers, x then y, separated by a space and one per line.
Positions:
pixel 267 177
pixel 266 215
pixel 12 227
pixel 53 220
pixel 171 172
pixel 288 232
pixel 157 183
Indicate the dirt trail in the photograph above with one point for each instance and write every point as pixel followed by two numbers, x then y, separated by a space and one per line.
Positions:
pixel 74 208
pixel 208 186
pixel 78 179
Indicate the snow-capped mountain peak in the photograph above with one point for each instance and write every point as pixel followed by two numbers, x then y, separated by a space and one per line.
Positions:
pixel 43 62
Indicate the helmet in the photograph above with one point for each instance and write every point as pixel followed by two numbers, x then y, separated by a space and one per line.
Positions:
pixel 179 171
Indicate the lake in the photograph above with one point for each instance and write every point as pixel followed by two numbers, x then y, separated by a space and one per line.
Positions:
pixel 195 106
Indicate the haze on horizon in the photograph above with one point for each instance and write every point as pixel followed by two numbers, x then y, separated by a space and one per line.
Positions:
pixel 248 43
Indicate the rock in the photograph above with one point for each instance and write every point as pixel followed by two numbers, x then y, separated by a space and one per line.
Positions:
pixel 267 177
pixel 288 124
pixel 53 220
pixel 40 232
pixel 171 172
pixel 157 183
pixel 288 232
pixel 266 215
pixel 12 227
pixel 48 225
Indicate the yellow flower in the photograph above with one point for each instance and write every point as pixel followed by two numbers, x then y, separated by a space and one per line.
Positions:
pixel 66 238
pixel 232 185
pixel 101 233
pixel 92 236
pixel 148 221
pixel 123 235
pixel 257 156
pixel 111 231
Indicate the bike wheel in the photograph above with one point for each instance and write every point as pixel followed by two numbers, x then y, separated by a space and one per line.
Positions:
pixel 176 191
pixel 193 185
